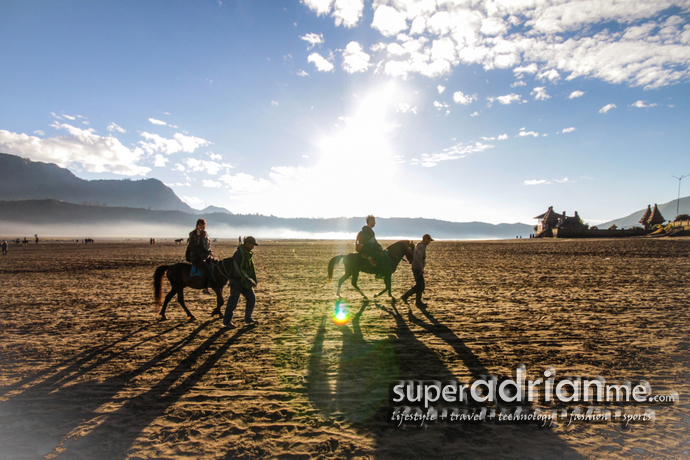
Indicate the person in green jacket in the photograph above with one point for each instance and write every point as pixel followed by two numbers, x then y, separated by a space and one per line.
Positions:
pixel 242 281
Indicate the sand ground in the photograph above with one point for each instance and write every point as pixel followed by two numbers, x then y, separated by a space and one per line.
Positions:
pixel 87 370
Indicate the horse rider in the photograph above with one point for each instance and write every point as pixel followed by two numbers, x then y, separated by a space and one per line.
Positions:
pixel 199 251
pixel 370 248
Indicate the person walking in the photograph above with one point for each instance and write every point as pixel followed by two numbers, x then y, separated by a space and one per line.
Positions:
pixel 242 282
pixel 418 264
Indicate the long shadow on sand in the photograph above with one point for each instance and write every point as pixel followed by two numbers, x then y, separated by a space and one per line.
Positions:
pixel 60 417
pixel 361 394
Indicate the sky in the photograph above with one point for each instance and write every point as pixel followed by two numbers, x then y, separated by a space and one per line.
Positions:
pixel 473 110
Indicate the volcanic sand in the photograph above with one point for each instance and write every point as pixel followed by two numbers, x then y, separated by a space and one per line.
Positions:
pixel 89 372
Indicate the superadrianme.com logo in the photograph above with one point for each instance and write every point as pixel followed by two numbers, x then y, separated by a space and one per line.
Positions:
pixel 545 400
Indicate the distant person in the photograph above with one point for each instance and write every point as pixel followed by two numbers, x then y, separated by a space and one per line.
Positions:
pixel 4 248
pixel 242 281
pixel 25 242
pixel 418 264
pixel 199 251
pixel 36 238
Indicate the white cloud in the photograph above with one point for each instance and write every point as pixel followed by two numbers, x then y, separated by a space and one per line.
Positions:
pixel 192 201
pixel 404 107
pixel 157 122
pixel 528 133
pixel 215 156
pixel 347 12
pixel 274 103
pixel 154 143
pixel 502 137
pixel 389 21
pixel 440 89
pixel 465 99
pixel 80 148
pixel 539 93
pixel 112 127
pixel 642 104
pixel 302 73
pixel 505 100
pixel 575 94
pixel 640 45
pixel 453 153
pixel 211 183
pixel 313 39
pixel 39 132
pixel 474 114
pixel 211 167
pixel 159 160
pixel 441 105
pixel 243 183
pixel 321 63
pixel 355 59
pixel 568 130
pixel 536 182
pixel 551 75
pixel 518 83
pixel 607 107
pixel 320 7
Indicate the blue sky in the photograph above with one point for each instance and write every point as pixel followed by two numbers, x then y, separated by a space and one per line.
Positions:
pixel 456 110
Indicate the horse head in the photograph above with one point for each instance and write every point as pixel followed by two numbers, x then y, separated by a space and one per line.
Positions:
pixel 408 250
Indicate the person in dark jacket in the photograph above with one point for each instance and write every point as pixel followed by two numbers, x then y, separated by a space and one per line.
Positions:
pixel 418 265
pixel 242 281
pixel 371 248
pixel 199 251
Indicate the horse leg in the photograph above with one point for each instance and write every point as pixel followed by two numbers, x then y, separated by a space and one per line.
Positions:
pixel 387 281
pixel 342 280
pixel 219 301
pixel 165 303
pixel 180 299
pixel 355 277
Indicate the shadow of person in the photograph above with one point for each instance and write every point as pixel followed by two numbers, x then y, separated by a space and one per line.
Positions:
pixel 360 388
pixel 65 413
pixel 364 370
pixel 458 439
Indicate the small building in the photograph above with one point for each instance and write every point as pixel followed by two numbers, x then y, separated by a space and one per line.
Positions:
pixel 549 221
pixel 652 217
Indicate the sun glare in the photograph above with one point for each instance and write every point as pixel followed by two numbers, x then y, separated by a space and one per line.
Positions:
pixel 360 150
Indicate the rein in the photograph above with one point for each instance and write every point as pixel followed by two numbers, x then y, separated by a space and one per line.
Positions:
pixel 223 271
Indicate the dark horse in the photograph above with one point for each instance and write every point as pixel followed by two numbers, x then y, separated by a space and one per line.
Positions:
pixel 180 277
pixel 355 263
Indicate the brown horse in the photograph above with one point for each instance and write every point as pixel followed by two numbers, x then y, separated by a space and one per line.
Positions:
pixel 179 276
pixel 355 263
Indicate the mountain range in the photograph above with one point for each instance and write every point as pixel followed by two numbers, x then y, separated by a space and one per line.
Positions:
pixel 45 198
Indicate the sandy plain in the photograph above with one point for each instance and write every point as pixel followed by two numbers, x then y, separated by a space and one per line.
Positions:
pixel 88 371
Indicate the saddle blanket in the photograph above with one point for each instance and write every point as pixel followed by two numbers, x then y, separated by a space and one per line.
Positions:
pixel 196 272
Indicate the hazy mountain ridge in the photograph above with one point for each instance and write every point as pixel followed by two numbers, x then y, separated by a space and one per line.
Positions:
pixel 23 179
pixel 668 210
pixel 39 216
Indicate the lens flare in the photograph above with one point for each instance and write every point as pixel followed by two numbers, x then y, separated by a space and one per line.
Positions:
pixel 340 316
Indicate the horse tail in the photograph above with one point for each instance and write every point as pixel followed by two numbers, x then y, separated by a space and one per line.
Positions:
pixel 158 283
pixel 331 265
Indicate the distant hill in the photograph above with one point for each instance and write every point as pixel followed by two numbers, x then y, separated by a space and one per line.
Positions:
pixel 23 179
pixel 668 210
pixel 212 209
pixel 63 219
